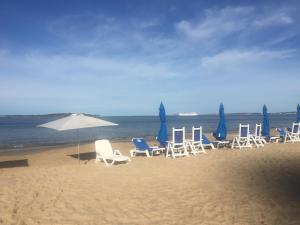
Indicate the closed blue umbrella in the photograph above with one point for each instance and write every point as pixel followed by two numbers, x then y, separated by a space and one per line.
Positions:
pixel 221 131
pixel 298 113
pixel 265 123
pixel 162 136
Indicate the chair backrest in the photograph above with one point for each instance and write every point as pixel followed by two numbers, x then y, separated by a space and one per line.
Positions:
pixel 178 135
pixel 196 134
pixel 140 144
pixel 295 128
pixel 281 132
pixel 205 140
pixel 258 130
pixel 244 131
pixel 103 147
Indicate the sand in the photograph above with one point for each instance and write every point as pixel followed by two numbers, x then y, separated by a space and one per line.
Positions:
pixel 258 186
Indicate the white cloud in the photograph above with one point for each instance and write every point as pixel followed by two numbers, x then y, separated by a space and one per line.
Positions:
pixel 220 23
pixel 274 20
pixel 214 30
pixel 216 23
pixel 73 67
pixel 99 34
pixel 238 58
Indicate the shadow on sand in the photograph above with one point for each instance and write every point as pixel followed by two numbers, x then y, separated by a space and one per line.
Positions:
pixel 278 183
pixel 14 163
pixel 87 156
pixel 84 156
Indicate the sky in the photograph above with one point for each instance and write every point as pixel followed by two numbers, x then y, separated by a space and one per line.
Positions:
pixel 123 57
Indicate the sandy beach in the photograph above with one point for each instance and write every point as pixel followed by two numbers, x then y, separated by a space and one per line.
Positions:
pixel 258 186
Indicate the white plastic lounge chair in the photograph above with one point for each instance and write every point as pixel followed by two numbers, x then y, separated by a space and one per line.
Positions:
pixel 104 152
pixel 177 147
pixel 142 147
pixel 256 137
pixel 196 142
pixel 294 133
pixel 243 140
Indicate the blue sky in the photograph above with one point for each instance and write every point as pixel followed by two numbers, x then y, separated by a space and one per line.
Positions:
pixel 125 57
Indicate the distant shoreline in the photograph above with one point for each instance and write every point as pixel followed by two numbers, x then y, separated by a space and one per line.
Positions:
pixel 173 114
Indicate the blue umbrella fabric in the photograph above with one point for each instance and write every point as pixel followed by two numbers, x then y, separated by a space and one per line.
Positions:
pixel 265 123
pixel 162 136
pixel 221 133
pixel 298 113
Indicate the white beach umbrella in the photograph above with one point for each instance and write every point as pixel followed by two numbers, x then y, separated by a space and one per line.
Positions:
pixel 75 122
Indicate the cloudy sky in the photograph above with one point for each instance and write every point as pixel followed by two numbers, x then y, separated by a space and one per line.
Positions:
pixel 123 57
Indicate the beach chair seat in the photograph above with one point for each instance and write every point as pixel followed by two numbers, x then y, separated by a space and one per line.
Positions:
pixel 257 138
pixel 219 142
pixel 195 143
pixel 178 146
pixel 243 140
pixel 105 153
pixel 142 147
pixel 274 139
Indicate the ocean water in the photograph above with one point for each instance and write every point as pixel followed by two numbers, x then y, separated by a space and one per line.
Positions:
pixel 19 132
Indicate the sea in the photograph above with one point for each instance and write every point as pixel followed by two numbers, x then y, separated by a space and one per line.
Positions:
pixel 21 131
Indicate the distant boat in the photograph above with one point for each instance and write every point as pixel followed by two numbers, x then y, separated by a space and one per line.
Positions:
pixel 188 114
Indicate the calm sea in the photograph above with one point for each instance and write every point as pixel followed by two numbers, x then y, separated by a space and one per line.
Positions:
pixel 18 132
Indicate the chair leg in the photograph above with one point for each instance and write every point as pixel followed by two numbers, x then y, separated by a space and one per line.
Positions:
pixel 132 153
pixel 233 143
pixel 147 154
pixel 239 144
pixel 185 151
pixel 173 153
pixel 202 148
pixel 254 141
pixel 106 163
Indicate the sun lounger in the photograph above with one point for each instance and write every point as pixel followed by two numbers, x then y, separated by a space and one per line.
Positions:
pixel 243 140
pixel 195 144
pixel 142 147
pixel 294 132
pixel 178 146
pixel 289 135
pixel 256 137
pixel 283 134
pixel 104 152
pixel 207 143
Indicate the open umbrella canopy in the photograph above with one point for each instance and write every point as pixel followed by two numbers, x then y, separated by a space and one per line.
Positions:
pixel 298 113
pixel 76 121
pixel 265 123
pixel 221 132
pixel 162 136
